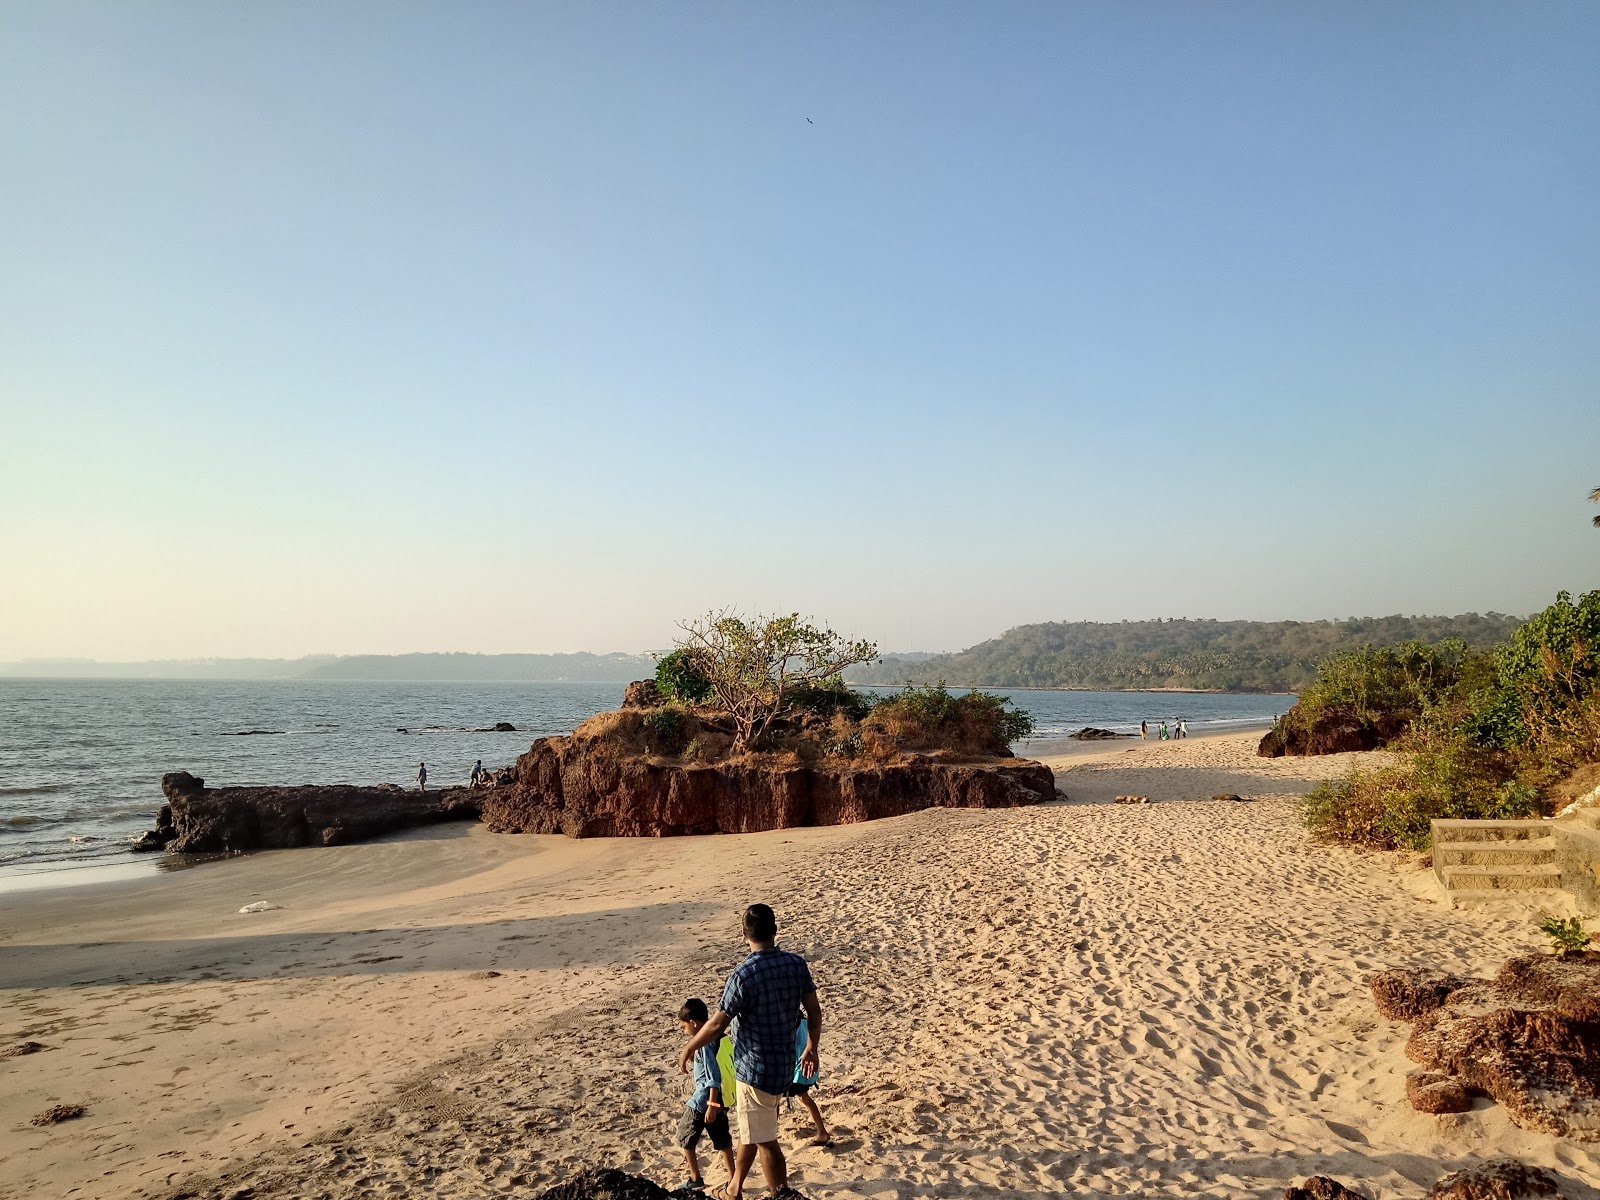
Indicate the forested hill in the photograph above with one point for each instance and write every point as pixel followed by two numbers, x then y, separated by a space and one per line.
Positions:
pixel 1226 656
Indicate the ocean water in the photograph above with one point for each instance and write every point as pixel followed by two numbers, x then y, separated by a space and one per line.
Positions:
pixel 81 760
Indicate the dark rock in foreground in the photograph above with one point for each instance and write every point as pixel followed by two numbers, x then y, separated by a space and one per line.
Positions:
pixel 1090 734
pixel 1530 1038
pixel 210 820
pixel 1321 1187
pixel 1332 731
pixel 1497 1179
pixel 582 787
pixel 611 1184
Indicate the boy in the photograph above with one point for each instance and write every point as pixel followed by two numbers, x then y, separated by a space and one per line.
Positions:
pixel 705 1110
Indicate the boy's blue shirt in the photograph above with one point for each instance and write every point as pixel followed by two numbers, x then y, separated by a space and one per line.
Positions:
pixel 707 1075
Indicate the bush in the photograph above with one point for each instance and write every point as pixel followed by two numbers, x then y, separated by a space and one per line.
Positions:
pixel 828 697
pixel 679 678
pixel 1567 937
pixel 664 730
pixel 976 723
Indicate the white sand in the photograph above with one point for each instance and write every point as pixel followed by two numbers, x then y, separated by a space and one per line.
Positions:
pixel 1152 1000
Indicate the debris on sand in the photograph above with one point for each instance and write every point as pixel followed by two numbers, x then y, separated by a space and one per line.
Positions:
pixel 57 1114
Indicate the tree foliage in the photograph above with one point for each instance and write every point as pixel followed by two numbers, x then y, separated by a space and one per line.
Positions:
pixel 755 668
pixel 1490 730
pixel 1233 656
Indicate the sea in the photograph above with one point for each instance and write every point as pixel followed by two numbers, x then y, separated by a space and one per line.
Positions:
pixel 81 760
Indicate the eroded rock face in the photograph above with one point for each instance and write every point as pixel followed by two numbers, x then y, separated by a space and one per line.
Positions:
pixel 211 820
pixel 1321 1187
pixel 1433 1092
pixel 1334 731
pixel 611 1184
pixel 1408 993
pixel 585 787
pixel 643 693
pixel 1497 1179
pixel 1530 1038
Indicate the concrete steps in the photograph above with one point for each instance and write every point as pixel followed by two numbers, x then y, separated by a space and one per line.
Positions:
pixel 1495 860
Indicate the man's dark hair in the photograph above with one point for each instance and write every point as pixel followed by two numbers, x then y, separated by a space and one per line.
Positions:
pixel 759 923
pixel 694 1009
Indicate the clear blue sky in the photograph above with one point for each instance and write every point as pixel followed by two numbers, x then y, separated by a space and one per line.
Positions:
pixel 386 327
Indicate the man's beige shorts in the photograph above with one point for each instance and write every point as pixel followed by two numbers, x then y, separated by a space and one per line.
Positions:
pixel 758 1116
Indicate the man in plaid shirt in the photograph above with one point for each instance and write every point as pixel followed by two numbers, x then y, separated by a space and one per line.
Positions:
pixel 766 993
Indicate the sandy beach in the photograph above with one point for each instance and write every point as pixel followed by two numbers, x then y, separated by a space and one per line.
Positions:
pixel 1145 1000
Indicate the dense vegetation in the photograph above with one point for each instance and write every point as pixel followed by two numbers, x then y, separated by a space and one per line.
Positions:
pixel 1228 656
pixel 1492 732
pixel 825 719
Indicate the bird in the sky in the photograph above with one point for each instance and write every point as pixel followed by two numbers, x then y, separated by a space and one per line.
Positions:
pixel 809 121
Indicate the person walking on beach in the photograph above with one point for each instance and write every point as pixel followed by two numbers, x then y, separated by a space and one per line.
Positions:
pixel 1183 727
pixel 422 776
pixel 804 1082
pixel 1164 734
pixel 1144 731
pixel 766 993
pixel 706 1111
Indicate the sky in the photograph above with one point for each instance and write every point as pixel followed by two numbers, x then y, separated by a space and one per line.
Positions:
pixel 388 327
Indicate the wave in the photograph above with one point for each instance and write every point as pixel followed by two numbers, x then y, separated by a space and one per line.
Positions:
pixel 32 789
pixel 27 821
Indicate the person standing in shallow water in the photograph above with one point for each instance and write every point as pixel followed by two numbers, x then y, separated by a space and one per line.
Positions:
pixel 766 992
pixel 1144 730
pixel 422 776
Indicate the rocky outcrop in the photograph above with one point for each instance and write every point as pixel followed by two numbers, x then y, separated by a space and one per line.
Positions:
pixel 1331 731
pixel 1496 1179
pixel 1529 1038
pixel 1432 1092
pixel 210 820
pixel 1321 1187
pixel 587 787
pixel 643 693
pixel 611 1184
pixel 157 838
pixel 1091 734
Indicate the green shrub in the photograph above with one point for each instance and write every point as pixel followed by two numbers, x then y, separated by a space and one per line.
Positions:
pixel 1567 936
pixel 679 678
pixel 979 718
pixel 828 697
pixel 664 729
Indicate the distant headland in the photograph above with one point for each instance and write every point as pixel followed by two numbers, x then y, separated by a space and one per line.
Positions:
pixel 1179 655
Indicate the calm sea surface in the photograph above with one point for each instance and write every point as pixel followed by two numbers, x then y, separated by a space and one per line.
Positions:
pixel 81 760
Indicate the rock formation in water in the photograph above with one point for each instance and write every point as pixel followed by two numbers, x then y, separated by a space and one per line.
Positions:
pixel 1529 1038
pixel 651 771
pixel 211 820
pixel 1332 731
pixel 1091 734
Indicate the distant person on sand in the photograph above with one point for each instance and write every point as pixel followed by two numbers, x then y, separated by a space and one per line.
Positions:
pixel 705 1111
pixel 1183 727
pixel 1164 735
pixel 765 993
pixel 422 776
pixel 1144 730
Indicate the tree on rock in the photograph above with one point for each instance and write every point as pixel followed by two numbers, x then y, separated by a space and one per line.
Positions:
pixel 752 666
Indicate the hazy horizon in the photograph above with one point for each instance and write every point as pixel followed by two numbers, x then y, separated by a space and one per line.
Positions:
pixel 372 328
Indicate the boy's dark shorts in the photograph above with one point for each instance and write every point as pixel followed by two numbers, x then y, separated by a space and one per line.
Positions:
pixel 691 1123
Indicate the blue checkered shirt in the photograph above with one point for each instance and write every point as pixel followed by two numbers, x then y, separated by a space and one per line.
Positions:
pixel 763 995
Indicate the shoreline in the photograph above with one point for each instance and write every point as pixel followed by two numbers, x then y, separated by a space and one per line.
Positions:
pixel 492 1012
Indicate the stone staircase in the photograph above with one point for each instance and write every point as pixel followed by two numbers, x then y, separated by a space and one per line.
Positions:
pixel 1496 860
